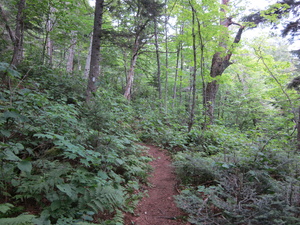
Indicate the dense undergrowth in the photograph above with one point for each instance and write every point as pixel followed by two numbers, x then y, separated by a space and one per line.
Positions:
pixel 63 161
pixel 67 162
pixel 229 176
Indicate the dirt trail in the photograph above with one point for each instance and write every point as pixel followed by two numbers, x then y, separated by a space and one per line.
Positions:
pixel 159 207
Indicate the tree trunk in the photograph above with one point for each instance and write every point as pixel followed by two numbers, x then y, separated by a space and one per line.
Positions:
pixel 157 59
pixel 48 47
pixel 298 132
pixel 167 56
pixel 130 76
pixel 19 34
pixel 71 54
pixel 95 53
pixel 88 60
pixel 7 27
pixel 192 112
pixel 176 74
pixel 218 66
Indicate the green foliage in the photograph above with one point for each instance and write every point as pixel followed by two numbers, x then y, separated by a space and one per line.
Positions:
pixel 72 161
pixel 23 219
pixel 255 184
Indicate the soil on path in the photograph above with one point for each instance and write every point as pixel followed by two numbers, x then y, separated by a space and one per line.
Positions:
pixel 159 208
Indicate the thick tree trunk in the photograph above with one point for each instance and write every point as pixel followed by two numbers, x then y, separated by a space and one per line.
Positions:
pixel 130 76
pixel 95 53
pixel 71 53
pixel 19 34
pixel 218 66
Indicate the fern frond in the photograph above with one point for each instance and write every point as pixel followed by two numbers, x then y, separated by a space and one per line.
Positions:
pixel 23 219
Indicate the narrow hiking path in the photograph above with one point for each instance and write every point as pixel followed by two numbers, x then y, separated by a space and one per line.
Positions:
pixel 159 207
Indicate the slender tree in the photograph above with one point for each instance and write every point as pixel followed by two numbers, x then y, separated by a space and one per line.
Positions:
pixel 194 71
pixel 157 58
pixel 145 13
pixel 71 52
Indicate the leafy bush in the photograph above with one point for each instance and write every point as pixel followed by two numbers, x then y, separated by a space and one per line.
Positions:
pixel 253 186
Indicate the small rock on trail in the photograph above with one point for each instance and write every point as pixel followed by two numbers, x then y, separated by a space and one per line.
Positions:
pixel 159 207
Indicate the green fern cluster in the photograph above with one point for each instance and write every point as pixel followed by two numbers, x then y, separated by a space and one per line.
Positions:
pixel 67 159
pixel 102 198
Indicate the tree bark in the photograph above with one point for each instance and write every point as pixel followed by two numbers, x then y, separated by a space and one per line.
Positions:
pixel 167 56
pixel 88 60
pixel 218 66
pixel 95 53
pixel 298 132
pixel 7 27
pixel 71 54
pixel 130 76
pixel 19 35
pixel 192 112
pixel 157 59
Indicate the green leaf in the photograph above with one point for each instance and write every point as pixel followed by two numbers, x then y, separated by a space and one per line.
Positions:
pixel 11 156
pixel 19 220
pixel 25 166
pixel 67 189
pixel 5 133
pixel 55 205
pixel 5 207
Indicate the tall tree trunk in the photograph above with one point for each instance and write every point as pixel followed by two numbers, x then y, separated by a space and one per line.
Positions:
pixel 157 59
pixel 88 60
pixel 181 72
pixel 220 62
pixel 298 132
pixel 176 74
pixel 95 53
pixel 71 53
pixel 167 55
pixel 19 34
pixel 130 76
pixel 48 47
pixel 192 112
pixel 7 27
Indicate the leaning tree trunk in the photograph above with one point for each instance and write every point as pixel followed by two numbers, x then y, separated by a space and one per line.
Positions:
pixel 95 53
pixel 130 76
pixel 19 34
pixel 220 62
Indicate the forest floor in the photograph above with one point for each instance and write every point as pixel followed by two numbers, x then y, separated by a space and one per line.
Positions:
pixel 158 207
